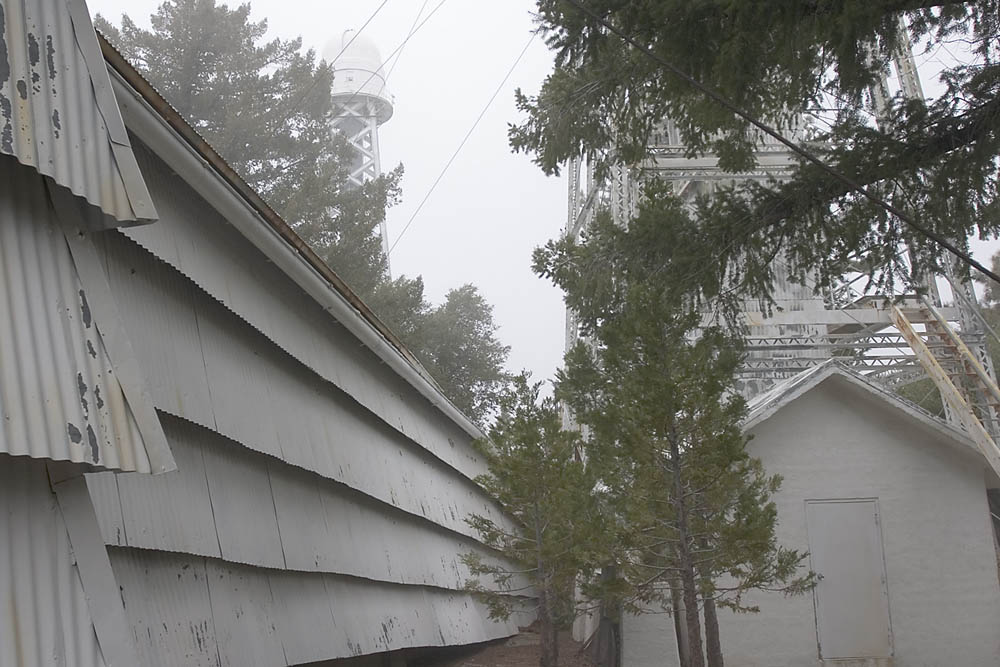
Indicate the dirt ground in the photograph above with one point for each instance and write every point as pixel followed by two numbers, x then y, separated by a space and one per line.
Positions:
pixel 522 650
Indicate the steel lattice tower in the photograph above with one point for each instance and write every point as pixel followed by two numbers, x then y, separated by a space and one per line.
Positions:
pixel 894 339
pixel 361 104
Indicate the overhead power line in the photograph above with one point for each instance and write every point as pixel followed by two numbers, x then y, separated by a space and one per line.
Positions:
pixel 408 35
pixel 394 52
pixel 465 138
pixel 357 33
pixel 312 86
pixel 798 150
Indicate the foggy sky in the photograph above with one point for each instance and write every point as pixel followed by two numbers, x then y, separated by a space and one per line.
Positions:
pixel 491 208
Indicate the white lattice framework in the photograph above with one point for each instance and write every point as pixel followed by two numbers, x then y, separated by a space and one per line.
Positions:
pixel 358 120
pixel 361 103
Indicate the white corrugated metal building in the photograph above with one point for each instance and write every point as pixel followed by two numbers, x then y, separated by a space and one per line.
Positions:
pixel 211 452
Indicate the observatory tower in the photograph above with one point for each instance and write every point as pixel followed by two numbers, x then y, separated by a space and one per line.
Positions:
pixel 361 103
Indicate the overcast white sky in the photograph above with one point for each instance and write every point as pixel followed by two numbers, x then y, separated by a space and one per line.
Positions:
pixel 491 208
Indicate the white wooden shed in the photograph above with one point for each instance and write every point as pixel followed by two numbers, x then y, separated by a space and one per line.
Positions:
pixel 892 504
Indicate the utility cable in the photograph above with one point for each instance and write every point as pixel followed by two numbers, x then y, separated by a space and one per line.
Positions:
pixel 315 82
pixel 373 74
pixel 408 35
pixel 357 33
pixel 465 139
pixel 795 148
pixel 389 57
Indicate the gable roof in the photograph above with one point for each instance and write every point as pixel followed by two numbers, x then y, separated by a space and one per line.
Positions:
pixel 764 406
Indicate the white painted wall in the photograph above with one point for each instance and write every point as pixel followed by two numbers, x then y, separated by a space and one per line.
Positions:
pixel 837 441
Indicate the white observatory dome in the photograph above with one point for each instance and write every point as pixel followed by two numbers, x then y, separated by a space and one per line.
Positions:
pixel 357 72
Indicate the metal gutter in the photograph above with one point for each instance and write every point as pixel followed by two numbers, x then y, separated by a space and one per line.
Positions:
pixel 161 127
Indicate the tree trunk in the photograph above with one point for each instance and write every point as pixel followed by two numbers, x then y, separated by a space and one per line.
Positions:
pixel 697 653
pixel 547 632
pixel 712 645
pixel 554 643
pixel 680 624
pixel 549 649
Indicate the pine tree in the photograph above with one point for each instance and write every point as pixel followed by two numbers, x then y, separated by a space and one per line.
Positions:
pixel 537 477
pixel 935 159
pixel 266 107
pixel 460 347
pixel 655 390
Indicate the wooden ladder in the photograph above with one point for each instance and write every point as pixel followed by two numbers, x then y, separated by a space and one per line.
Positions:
pixel 964 386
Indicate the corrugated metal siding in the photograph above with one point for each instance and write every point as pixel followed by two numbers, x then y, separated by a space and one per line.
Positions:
pixel 157 303
pixel 247 634
pixel 172 511
pixel 167 600
pixel 301 617
pixel 198 242
pixel 44 619
pixel 250 385
pixel 59 397
pixel 248 530
pixel 51 116
pixel 262 512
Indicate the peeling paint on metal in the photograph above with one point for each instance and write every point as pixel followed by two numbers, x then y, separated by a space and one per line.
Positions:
pixel 62 128
pixel 59 397
pixel 312 616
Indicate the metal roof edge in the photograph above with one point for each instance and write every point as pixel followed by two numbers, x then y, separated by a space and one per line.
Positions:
pixel 347 307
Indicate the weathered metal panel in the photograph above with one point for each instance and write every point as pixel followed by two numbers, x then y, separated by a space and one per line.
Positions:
pixel 167 600
pixel 157 307
pixel 383 617
pixel 241 502
pixel 57 111
pixel 308 543
pixel 245 507
pixel 59 395
pixel 307 616
pixel 244 615
pixel 172 511
pixel 103 489
pixel 44 618
pixel 264 392
pixel 236 359
pixel 194 239
pixel 305 622
pixel 378 542
pixel 380 617
pixel 91 557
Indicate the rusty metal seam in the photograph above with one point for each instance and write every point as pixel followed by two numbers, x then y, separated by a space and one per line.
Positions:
pixel 116 341
pixel 98 579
